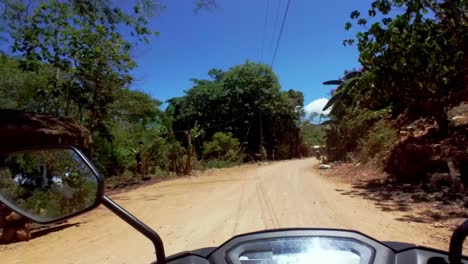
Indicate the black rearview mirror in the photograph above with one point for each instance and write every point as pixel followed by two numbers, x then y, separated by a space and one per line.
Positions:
pixel 47 185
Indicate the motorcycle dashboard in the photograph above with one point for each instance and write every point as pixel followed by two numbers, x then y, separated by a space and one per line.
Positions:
pixel 317 249
pixel 291 246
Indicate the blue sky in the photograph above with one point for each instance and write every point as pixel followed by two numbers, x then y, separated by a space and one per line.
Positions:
pixel 190 44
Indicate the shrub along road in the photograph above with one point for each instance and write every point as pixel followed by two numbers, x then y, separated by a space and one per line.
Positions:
pixel 208 209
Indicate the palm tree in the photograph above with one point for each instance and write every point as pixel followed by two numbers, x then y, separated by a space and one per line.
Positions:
pixel 345 93
pixel 342 99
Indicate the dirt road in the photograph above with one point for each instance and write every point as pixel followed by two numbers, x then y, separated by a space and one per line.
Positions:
pixel 207 210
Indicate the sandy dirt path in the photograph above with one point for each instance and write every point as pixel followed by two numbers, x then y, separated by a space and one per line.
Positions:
pixel 207 210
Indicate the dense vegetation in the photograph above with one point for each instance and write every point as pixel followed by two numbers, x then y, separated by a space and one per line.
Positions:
pixel 72 59
pixel 412 54
pixel 247 102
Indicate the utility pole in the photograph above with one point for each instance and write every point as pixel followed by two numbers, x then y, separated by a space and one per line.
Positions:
pixel 261 137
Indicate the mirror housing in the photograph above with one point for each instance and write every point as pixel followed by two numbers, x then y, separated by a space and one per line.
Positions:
pixel 49 184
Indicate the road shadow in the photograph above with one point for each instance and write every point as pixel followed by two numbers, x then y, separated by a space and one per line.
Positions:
pixel 43 230
pixel 420 204
pixel 53 229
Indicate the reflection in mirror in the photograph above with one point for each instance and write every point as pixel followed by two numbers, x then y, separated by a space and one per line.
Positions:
pixel 47 184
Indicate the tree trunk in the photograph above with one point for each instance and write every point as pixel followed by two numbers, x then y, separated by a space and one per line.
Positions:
pixel 92 122
pixel 94 104
pixel 68 102
pixel 188 164
pixel 80 113
pixel 56 84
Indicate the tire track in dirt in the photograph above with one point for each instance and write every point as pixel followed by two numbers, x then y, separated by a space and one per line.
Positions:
pixel 238 213
pixel 261 207
pixel 207 210
pixel 266 207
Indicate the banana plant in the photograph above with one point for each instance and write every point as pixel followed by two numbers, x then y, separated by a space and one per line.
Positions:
pixel 345 93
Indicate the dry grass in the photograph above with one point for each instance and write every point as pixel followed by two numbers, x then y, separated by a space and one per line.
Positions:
pixel 355 172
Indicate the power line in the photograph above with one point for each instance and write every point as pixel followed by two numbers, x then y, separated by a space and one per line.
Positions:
pixel 264 29
pixel 275 25
pixel 258 90
pixel 280 33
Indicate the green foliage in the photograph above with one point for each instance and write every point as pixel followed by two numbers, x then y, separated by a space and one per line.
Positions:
pixel 82 45
pixel 312 134
pixel 411 54
pixel 378 142
pixel 138 140
pixel 247 101
pixel 222 147
pixel 72 59
pixel 9 188
pixel 343 135
pixel 27 91
pixel 136 107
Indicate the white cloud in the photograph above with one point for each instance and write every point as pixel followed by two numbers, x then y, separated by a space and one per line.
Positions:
pixel 316 106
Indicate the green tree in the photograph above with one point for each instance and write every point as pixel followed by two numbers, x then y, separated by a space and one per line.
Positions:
pixel 312 134
pixel 413 58
pixel 83 44
pixel 222 146
pixel 247 101
pixel 19 89
pixel 411 53
pixel 138 133
pixel 72 59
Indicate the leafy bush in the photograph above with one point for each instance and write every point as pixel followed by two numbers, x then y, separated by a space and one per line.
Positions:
pixel 222 146
pixel 378 142
pixel 312 134
pixel 128 174
pixel 282 151
pixel 125 158
pixel 344 134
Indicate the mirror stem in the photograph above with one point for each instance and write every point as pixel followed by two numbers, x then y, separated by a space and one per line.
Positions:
pixel 456 243
pixel 138 225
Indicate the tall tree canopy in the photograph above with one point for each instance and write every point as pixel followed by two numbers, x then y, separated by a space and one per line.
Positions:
pixel 247 101
pixel 412 53
pixel 73 58
pixel 82 43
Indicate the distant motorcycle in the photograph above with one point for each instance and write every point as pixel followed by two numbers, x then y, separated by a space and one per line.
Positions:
pixel 73 186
